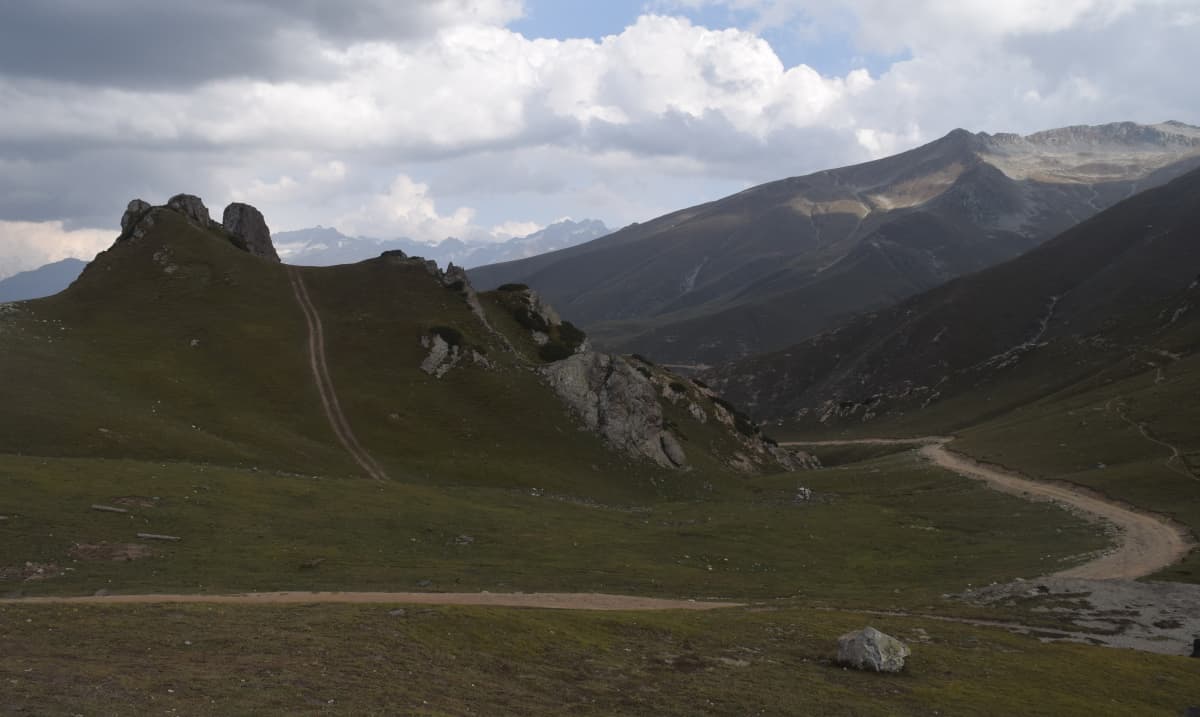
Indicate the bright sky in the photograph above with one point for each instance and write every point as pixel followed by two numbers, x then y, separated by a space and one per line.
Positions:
pixel 469 117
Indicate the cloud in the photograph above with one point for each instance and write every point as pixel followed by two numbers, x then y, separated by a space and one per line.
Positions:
pixel 28 245
pixel 407 210
pixel 383 114
pixel 173 45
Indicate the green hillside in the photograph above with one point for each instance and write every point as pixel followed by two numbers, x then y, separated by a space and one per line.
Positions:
pixel 171 392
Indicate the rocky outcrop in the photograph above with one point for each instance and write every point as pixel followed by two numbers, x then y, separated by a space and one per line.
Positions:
pixel 247 223
pixel 872 650
pixel 135 210
pixel 244 226
pixel 192 207
pixel 441 357
pixel 617 402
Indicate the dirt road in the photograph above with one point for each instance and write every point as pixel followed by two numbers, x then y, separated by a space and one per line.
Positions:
pixel 320 371
pixel 558 601
pixel 1145 543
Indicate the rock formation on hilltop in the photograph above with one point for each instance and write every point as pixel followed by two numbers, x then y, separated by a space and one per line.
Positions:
pixel 246 222
pixel 242 224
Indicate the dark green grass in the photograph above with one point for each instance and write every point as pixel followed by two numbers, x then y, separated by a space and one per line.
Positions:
pixel 365 660
pixel 893 532
pixel 1081 437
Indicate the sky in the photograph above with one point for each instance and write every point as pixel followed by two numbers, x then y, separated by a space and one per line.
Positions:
pixel 486 119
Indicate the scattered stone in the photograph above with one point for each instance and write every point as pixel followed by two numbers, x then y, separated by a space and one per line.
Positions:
pixel 803 495
pixel 194 343
pixel 398 612
pixel 464 540
pixel 869 649
pixel 108 508
pixel 247 223
pixel 100 593
pixel 192 207
pixel 424 583
pixel 156 536
pixel 311 564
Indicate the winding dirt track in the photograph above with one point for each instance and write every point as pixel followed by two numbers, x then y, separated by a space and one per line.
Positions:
pixel 1145 543
pixel 320 371
pixel 555 601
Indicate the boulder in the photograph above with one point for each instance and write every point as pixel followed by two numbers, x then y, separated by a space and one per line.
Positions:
pixel 192 207
pixel 870 649
pixel 133 212
pixel 247 223
pixel 673 450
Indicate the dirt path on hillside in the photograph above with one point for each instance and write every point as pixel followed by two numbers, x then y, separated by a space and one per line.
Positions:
pixel 320 372
pixel 1145 543
pixel 555 601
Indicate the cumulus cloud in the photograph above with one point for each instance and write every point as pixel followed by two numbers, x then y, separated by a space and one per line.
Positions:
pixel 379 115
pixel 407 210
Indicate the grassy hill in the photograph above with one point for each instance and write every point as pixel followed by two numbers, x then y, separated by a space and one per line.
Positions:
pixel 172 381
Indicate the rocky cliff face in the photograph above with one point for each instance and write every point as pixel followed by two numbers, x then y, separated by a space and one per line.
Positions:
pixel 615 401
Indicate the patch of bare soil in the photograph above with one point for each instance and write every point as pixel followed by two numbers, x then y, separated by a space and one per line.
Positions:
pixel 30 572
pixel 135 501
pixel 110 551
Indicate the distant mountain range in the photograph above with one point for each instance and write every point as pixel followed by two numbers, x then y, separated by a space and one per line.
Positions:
pixel 1114 295
pixel 776 264
pixel 324 246
pixel 43 281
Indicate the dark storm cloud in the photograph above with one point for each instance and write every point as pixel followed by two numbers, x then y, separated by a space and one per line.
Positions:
pixel 170 43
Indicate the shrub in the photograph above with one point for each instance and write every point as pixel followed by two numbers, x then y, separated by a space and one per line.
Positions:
pixel 725 404
pixel 530 320
pixel 449 334
pixel 571 335
pixel 554 351
pixel 512 287
pixel 678 387
pixel 744 425
pixel 643 359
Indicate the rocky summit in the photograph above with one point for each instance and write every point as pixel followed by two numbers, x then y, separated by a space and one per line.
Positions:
pixel 242 225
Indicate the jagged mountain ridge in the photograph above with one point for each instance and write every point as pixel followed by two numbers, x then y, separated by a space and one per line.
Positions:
pixel 774 264
pixel 1120 289
pixel 326 246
